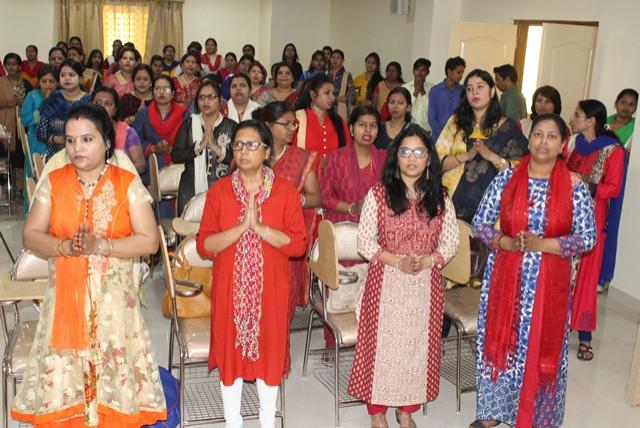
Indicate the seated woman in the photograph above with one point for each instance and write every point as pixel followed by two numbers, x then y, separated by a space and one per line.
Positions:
pixel 399 107
pixel 476 143
pixel 187 83
pixel 545 216
pixel 240 106
pixel 258 77
pixel 393 79
pixel 141 96
pixel 296 165
pixel 90 218
pixel 158 124
pixel 30 113
pixel 202 144
pixel 126 137
pixel 90 78
pixel 249 325
pixel 121 80
pixel 598 157
pixel 283 89
pixel 95 61
pixel 56 56
pixel 407 231
pixel 54 109
pixel 320 128
pixel 230 66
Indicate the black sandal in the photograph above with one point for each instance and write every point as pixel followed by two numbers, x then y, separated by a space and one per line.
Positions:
pixel 585 352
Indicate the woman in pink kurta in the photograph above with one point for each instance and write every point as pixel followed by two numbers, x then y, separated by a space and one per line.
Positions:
pixel 598 157
pixel 408 231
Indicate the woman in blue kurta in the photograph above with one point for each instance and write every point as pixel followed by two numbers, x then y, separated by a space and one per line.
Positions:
pixel 546 221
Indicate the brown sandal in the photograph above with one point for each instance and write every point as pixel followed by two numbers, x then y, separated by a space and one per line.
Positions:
pixel 484 424
pixel 585 352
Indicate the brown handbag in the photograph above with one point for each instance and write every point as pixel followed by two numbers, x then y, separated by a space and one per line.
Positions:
pixel 189 307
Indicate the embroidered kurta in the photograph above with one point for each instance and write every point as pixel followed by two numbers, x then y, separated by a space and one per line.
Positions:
pixel 119 83
pixel 281 211
pixel 397 357
pixel 499 399
pixel 603 171
pixel 115 381
pixel 185 92
pixel 344 180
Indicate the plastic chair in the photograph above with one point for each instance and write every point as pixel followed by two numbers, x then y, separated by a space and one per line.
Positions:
pixel 189 222
pixel 38 165
pixel 335 243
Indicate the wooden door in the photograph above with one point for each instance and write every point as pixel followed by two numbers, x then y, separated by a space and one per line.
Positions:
pixel 483 44
pixel 566 62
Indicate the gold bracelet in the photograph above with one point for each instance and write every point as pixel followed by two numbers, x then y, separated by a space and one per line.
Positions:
pixel 59 248
pixel 110 247
pixel 349 209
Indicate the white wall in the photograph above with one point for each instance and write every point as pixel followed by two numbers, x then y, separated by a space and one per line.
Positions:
pixel 232 23
pixel 27 22
pixel 361 26
pixel 305 23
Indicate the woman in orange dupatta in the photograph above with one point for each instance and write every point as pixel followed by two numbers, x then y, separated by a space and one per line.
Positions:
pixel 296 165
pixel 91 363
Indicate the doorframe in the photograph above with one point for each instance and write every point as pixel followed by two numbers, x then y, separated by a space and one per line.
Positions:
pixel 522 35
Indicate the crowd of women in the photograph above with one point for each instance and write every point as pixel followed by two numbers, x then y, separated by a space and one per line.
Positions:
pixel 404 160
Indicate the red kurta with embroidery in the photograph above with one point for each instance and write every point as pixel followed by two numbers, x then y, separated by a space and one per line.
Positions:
pixel 281 211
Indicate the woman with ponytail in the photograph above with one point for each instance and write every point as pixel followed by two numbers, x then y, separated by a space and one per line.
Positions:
pixel 598 157
pixel 546 220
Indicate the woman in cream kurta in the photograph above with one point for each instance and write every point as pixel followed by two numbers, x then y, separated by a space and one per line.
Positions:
pixel 397 358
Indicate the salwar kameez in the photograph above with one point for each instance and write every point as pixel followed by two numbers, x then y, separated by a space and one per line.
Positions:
pixel 516 390
pixel 397 357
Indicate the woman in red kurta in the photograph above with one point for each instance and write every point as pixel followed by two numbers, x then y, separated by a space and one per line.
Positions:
pixel 598 157
pixel 251 225
pixel 320 128
pixel 296 165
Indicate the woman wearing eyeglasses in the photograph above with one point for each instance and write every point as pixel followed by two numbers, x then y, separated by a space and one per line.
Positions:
pixel 202 144
pixel 296 165
pixel 407 231
pixel 251 225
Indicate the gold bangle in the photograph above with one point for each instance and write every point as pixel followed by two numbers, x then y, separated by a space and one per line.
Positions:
pixel 349 209
pixel 110 247
pixel 59 249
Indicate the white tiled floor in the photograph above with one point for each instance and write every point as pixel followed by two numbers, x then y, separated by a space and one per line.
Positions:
pixel 595 396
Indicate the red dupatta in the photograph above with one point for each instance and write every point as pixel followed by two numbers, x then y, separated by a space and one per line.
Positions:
pixel 503 308
pixel 168 128
pixel 30 71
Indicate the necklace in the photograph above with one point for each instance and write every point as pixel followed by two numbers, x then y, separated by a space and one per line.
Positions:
pixel 90 186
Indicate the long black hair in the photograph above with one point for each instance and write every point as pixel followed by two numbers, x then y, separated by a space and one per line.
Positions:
pixel 272 111
pixel 428 187
pixel 598 111
pixel 304 101
pixel 376 77
pixel 407 97
pixel 464 113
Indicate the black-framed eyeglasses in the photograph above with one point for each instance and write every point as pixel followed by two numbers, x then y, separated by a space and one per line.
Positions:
pixel 252 146
pixel 418 152
pixel 291 125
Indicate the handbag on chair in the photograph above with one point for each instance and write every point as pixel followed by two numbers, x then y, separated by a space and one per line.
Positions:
pixel 189 307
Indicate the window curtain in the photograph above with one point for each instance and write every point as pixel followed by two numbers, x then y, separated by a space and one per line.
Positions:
pixel 127 21
pixel 164 27
pixel 82 18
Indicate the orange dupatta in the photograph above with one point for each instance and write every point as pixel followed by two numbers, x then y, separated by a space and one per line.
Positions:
pixel 68 208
